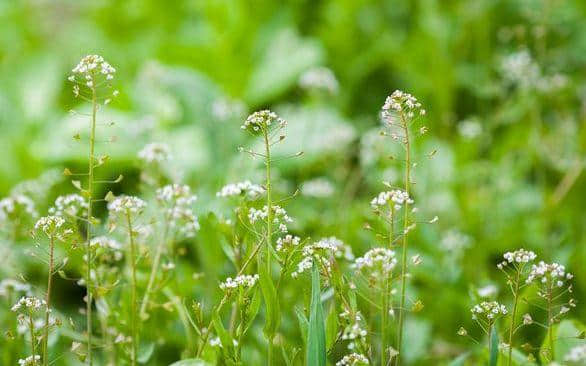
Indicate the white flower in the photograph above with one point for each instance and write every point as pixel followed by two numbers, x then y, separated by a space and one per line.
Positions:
pixel 50 225
pixel 177 200
pixel 320 78
pixel 518 256
pixel 279 215
pixel 242 281
pixel 126 204
pixel 155 153
pixel 29 303
pixel 527 319
pixel 353 330
pixel 92 65
pixel 9 285
pixel 323 252
pixel 577 354
pixel 380 261
pixel 489 310
pixel 454 241
pixel 318 187
pixel 17 204
pixel 549 273
pixel 353 359
pixel 71 205
pixel 400 107
pixel 396 197
pixel 287 242
pixel 30 361
pixel 263 120
pixel 241 188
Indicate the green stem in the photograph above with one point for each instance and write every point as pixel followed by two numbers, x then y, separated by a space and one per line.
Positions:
pixel 90 191
pixel 269 231
pixel 405 229
pixel 32 328
pixel 550 322
pixel 385 295
pixel 133 326
pixel 48 301
pixel 154 269
pixel 513 316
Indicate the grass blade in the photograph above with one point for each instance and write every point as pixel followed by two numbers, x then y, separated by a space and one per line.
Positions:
pixel 316 338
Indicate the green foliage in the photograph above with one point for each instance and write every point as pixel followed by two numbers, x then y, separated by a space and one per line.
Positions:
pixel 316 335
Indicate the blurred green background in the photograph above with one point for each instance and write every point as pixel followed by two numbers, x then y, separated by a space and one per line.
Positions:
pixel 502 82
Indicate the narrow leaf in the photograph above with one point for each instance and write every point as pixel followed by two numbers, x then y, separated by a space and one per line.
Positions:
pixel 494 347
pixel 316 338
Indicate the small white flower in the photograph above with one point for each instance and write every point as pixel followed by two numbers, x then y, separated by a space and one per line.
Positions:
pixel 242 188
pixel 155 153
pixel 352 360
pixel 242 281
pixel 263 120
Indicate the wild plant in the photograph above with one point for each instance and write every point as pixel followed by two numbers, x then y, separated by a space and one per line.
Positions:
pixel 125 211
pixel 91 80
pixel 54 228
pixel 17 215
pixel 28 308
pixel 400 112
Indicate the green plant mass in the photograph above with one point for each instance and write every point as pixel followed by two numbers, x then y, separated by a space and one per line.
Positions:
pixel 298 183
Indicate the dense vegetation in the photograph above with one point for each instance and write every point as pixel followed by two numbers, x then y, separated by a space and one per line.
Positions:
pixel 243 183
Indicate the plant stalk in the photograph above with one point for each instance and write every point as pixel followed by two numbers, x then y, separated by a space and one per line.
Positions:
pixel 133 325
pixel 48 301
pixel 269 230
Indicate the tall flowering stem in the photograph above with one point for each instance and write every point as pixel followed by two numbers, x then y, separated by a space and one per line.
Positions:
pixel 126 209
pixel 90 75
pixel 267 124
pixel 398 112
pixel 514 267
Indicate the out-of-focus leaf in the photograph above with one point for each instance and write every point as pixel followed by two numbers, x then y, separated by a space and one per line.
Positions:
pixel 191 362
pixel 145 352
pixel 494 347
pixel 287 55
pixel 316 337
pixel 269 292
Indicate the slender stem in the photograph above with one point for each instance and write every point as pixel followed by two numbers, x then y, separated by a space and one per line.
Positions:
pixel 32 328
pixel 385 294
pixel 489 340
pixel 513 316
pixel 405 229
pixel 269 230
pixel 550 322
pixel 48 301
pixel 90 191
pixel 133 289
pixel 154 269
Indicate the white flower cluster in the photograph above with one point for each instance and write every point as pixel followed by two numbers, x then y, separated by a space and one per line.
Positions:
pixel 50 225
pixel 518 256
pixel 322 251
pixel 241 188
pixel 91 65
pixel 262 120
pixel 454 241
pixel 488 309
pixel 9 285
pixel 29 361
pixel 16 204
pixel 398 103
pixel 70 205
pixel 353 359
pixel 577 354
pixel 545 273
pixel 242 281
pixel 280 216
pixel 376 259
pixel 287 242
pixel 155 153
pixel 126 204
pixel 397 197
pixel 520 68
pixel 111 245
pixel 353 331
pixel 177 199
pixel 29 303
pixel 318 187
pixel 319 78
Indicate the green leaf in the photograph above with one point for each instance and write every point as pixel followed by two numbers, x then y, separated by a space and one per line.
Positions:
pixel 145 352
pixel 566 336
pixel 331 326
pixel 494 347
pixel 191 362
pixel 519 358
pixel 459 361
pixel 316 337
pixel 223 334
pixel 303 322
pixel 272 302
pixel 252 310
